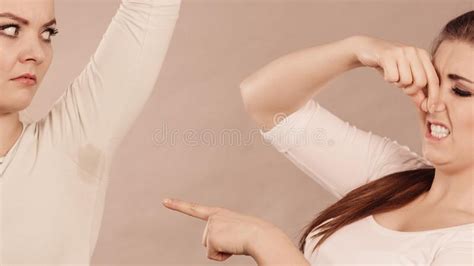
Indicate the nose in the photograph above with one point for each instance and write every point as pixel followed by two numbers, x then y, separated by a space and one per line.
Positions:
pixel 444 97
pixel 32 52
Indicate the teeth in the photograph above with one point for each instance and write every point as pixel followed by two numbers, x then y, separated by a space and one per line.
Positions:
pixel 439 131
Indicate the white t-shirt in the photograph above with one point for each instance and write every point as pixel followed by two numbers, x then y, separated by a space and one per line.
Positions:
pixel 11 152
pixel 53 184
pixel 341 157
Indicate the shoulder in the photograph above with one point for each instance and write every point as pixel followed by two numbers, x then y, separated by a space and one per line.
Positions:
pixel 396 157
pixel 460 241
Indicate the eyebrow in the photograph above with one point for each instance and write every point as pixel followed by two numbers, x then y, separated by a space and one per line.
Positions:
pixel 454 77
pixel 457 77
pixel 24 21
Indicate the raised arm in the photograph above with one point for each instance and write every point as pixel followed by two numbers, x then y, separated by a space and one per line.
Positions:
pixel 287 83
pixel 335 153
pixel 101 104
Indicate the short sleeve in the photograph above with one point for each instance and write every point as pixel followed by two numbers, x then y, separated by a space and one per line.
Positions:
pixel 337 155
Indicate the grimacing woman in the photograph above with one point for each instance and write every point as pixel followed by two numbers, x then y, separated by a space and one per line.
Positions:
pixel 394 206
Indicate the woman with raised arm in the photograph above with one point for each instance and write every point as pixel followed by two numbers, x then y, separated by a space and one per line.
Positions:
pixel 394 206
pixel 54 172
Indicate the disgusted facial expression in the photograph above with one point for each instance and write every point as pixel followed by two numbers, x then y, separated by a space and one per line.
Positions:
pixel 450 144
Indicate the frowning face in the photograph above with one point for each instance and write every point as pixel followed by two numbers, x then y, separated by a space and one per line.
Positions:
pixel 452 146
pixel 26 28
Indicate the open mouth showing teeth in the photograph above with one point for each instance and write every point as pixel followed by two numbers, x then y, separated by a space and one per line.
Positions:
pixel 438 131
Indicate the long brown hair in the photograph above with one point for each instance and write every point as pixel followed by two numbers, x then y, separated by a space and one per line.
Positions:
pixel 394 190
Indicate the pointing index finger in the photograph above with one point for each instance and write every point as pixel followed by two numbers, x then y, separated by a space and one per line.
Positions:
pixel 192 209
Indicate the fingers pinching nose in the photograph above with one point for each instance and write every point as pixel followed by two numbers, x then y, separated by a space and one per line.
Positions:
pixel 433 107
pixel 424 105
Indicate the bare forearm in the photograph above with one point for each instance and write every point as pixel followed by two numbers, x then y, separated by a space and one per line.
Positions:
pixel 287 83
pixel 277 249
pixel 283 258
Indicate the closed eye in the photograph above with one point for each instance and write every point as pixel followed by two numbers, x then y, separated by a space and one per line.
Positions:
pixel 461 93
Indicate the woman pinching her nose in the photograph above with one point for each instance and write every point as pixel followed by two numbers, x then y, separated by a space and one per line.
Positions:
pixel 407 67
pixel 428 200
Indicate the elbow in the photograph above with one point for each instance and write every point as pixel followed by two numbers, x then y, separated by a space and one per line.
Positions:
pixel 250 98
pixel 255 100
pixel 246 93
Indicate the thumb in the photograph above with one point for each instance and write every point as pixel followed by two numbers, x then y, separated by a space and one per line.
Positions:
pixel 214 254
pixel 420 100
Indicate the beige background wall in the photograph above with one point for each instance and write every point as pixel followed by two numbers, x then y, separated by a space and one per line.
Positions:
pixel 216 44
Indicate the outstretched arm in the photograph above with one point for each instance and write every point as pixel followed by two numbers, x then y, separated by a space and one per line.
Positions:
pixel 228 233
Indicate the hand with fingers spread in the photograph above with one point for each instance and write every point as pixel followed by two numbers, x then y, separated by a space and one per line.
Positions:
pixel 229 233
pixel 407 67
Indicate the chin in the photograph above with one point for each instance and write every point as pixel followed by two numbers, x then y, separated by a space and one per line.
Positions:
pixel 16 103
pixel 435 156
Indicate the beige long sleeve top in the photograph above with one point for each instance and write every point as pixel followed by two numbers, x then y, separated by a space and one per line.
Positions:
pixel 341 157
pixel 53 182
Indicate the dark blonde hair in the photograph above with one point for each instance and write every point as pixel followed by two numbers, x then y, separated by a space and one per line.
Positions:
pixel 392 191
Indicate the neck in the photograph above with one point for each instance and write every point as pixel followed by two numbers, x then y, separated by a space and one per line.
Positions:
pixel 10 131
pixel 453 190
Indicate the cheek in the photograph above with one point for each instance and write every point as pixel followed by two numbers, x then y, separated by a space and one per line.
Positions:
pixel 7 59
pixel 467 118
pixel 422 121
pixel 470 125
pixel 463 120
pixel 43 68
